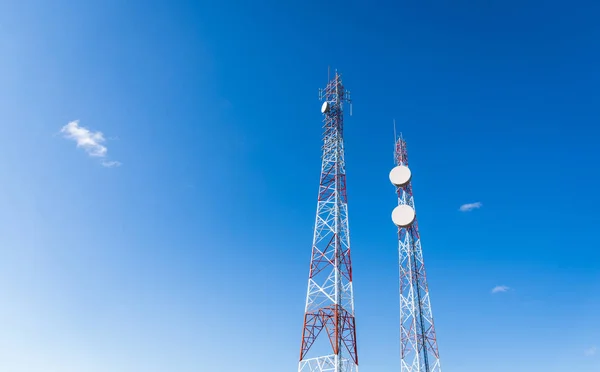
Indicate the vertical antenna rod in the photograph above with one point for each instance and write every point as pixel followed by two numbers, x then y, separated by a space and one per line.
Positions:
pixel 418 343
pixel 330 299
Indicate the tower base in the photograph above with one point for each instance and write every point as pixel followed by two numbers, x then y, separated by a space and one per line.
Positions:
pixel 327 364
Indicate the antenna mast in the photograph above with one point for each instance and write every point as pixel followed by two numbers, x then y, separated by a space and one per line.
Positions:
pixel 418 343
pixel 330 299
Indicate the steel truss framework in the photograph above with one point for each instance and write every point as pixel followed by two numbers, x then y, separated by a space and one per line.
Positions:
pixel 329 299
pixel 419 350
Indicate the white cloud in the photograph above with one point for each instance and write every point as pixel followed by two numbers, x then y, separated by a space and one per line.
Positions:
pixel 111 164
pixel 90 141
pixel 470 206
pixel 591 351
pixel 500 289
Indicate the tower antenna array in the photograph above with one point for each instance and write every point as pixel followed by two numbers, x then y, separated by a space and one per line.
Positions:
pixel 418 343
pixel 329 333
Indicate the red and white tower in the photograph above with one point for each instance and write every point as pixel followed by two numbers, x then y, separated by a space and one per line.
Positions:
pixel 329 333
pixel 418 343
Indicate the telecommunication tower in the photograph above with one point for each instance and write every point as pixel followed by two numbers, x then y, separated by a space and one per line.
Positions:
pixel 330 299
pixel 418 343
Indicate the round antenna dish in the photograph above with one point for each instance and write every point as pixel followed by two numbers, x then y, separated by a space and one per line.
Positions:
pixel 403 215
pixel 325 107
pixel 400 175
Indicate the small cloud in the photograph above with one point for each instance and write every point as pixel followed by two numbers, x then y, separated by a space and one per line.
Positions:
pixel 470 206
pixel 111 164
pixel 500 289
pixel 91 142
pixel 591 351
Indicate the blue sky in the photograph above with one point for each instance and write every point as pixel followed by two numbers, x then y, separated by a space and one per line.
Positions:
pixel 191 253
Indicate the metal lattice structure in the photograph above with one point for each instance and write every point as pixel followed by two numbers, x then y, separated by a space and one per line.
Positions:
pixel 330 300
pixel 419 350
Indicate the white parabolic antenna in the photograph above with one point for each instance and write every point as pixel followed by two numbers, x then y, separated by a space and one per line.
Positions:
pixel 403 215
pixel 325 107
pixel 400 175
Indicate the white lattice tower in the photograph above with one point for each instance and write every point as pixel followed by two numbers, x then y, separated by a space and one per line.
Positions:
pixel 418 343
pixel 330 300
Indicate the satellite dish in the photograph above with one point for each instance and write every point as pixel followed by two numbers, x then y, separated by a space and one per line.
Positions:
pixel 403 215
pixel 325 107
pixel 400 175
